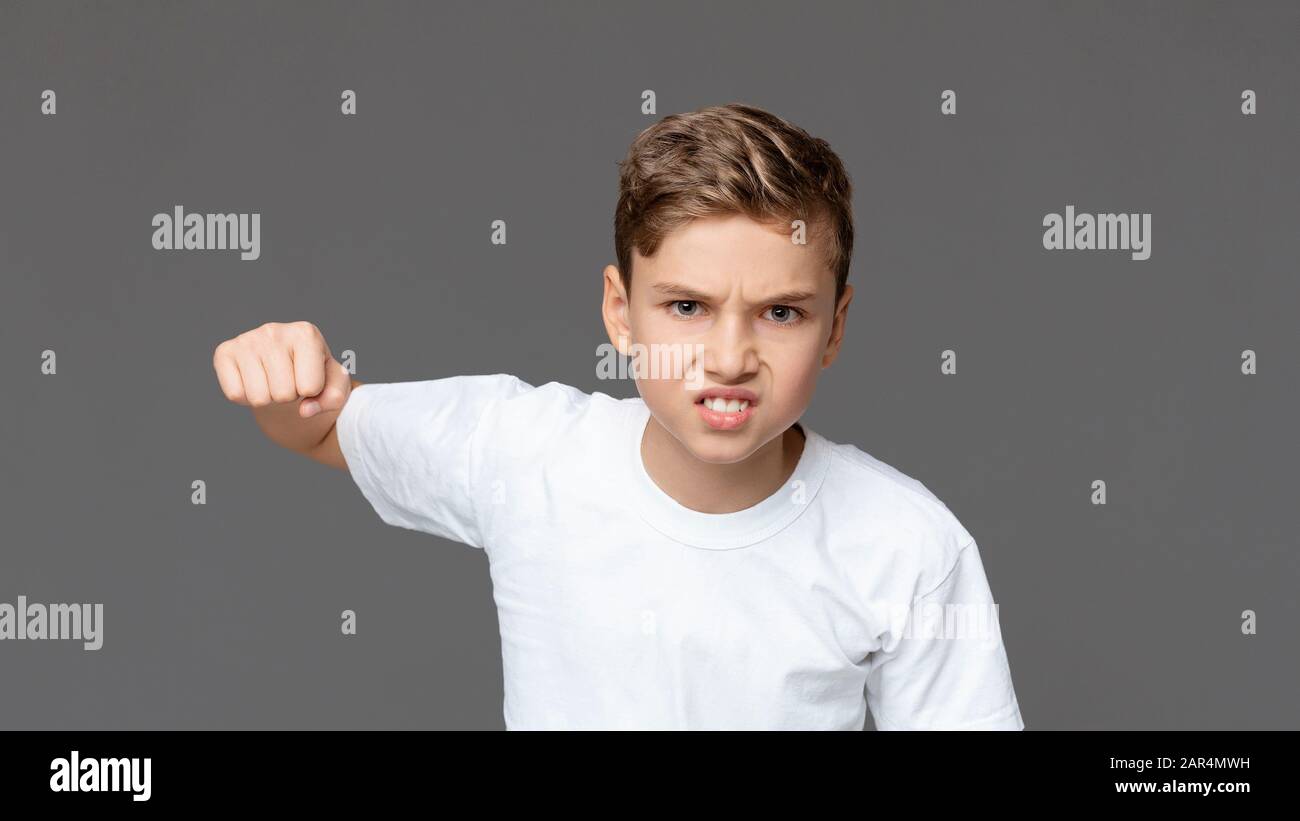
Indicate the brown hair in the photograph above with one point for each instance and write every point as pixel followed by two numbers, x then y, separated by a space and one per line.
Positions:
pixel 731 159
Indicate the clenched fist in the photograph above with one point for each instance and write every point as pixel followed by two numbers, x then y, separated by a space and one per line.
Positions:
pixel 282 362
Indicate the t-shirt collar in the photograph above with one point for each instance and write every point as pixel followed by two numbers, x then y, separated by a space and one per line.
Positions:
pixel 720 531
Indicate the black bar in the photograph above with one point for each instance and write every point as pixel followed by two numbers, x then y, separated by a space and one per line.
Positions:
pixel 333 770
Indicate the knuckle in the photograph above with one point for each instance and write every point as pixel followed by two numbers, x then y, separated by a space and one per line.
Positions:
pixel 306 328
pixel 311 383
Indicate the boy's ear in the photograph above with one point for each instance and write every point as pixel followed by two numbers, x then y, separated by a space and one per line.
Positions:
pixel 837 327
pixel 613 308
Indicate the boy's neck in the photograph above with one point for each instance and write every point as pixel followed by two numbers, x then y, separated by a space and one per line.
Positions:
pixel 712 488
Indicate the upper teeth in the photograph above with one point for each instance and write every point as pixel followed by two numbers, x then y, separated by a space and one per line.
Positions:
pixel 717 403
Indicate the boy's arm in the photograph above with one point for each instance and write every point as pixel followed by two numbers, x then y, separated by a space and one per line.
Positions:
pixel 283 425
pixel 947 668
pixel 411 447
pixel 426 454
pixel 327 452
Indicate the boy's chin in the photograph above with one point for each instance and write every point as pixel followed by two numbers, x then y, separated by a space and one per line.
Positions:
pixel 719 448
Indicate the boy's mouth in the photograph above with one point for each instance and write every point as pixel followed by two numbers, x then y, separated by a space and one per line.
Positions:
pixel 726 408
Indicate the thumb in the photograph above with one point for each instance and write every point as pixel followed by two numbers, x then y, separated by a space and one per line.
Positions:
pixel 338 385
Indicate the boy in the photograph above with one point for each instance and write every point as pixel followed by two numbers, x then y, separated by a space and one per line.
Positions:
pixel 696 557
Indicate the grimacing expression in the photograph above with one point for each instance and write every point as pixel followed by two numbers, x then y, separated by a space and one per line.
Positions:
pixel 754 316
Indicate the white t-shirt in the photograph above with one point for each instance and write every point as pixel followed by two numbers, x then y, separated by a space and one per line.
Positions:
pixel 619 608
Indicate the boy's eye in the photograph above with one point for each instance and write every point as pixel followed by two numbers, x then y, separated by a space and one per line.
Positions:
pixel 784 314
pixel 685 307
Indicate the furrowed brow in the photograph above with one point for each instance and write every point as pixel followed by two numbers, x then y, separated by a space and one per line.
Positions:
pixel 682 292
pixel 789 297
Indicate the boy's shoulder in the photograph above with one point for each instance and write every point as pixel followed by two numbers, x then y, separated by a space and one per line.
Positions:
pixel 553 397
pixel 891 515
pixel 527 417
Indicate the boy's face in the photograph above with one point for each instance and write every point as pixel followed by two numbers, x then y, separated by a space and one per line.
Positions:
pixel 742 308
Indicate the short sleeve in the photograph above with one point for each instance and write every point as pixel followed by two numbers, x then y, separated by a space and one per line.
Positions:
pixel 411 448
pixel 948 668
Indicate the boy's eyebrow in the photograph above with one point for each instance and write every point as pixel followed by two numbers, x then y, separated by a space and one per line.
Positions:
pixel 690 295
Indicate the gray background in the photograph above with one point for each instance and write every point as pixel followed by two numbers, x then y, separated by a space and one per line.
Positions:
pixel 1073 366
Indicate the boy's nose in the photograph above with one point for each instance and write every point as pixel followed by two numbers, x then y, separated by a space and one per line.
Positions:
pixel 729 349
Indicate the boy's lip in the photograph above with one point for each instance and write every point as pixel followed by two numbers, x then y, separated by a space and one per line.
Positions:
pixel 726 420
